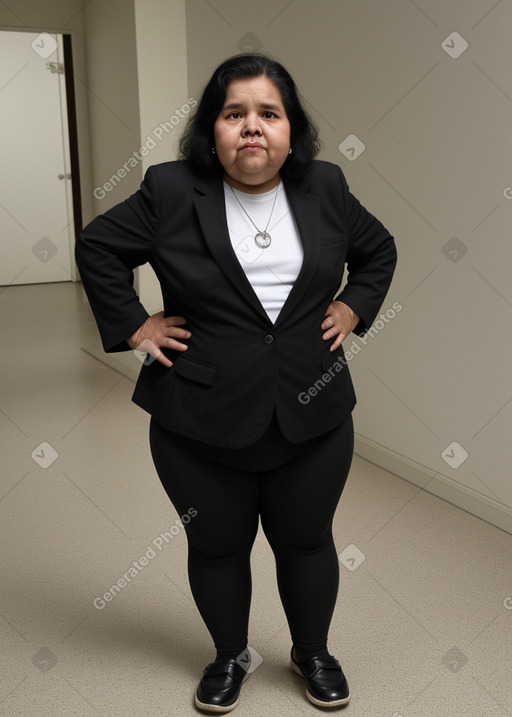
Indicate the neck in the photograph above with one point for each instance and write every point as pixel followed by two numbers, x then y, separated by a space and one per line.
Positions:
pixel 252 188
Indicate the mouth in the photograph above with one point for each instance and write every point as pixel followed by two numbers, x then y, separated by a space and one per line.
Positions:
pixel 252 146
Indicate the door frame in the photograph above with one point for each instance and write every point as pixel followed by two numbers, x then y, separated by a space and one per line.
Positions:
pixel 74 159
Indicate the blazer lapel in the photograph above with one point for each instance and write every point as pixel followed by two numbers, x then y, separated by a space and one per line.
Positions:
pixel 211 210
pixel 305 208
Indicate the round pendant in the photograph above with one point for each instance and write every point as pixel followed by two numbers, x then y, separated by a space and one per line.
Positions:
pixel 262 240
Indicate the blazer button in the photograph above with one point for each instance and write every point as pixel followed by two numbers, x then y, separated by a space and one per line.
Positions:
pixel 269 338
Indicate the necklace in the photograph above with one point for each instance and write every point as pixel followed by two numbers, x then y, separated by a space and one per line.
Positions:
pixel 262 238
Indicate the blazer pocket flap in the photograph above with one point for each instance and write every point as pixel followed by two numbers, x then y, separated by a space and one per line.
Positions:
pixel 195 371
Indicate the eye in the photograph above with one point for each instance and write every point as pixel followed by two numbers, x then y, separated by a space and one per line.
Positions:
pixel 234 115
pixel 269 115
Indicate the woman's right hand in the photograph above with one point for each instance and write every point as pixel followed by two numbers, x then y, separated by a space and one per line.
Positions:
pixel 157 332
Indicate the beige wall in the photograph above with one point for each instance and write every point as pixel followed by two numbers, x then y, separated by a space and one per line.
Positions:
pixel 113 101
pixel 164 102
pixel 436 165
pixel 136 69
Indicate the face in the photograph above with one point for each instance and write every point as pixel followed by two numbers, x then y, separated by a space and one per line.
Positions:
pixel 252 134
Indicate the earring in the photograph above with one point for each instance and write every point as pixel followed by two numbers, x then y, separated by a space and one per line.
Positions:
pixel 290 151
pixel 213 150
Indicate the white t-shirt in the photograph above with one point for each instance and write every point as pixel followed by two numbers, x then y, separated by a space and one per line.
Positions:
pixel 271 271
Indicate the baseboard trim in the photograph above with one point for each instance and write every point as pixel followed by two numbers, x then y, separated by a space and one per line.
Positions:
pixel 440 485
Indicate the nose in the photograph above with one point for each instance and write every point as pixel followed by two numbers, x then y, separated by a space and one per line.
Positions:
pixel 251 126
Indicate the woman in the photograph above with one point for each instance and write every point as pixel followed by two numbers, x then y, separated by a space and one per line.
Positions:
pixel 246 382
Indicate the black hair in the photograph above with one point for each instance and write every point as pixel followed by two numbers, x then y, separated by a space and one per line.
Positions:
pixel 198 138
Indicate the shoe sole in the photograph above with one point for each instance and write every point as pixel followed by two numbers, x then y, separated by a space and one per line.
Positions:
pixel 312 698
pixel 219 709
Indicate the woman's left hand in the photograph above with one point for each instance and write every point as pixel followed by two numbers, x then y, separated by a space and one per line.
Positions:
pixel 339 321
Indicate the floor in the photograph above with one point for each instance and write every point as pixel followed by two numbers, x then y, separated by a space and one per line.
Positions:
pixel 423 624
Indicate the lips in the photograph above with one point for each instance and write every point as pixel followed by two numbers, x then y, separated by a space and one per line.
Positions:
pixel 252 145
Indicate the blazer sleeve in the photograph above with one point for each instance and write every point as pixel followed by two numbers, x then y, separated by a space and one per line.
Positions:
pixel 371 260
pixel 107 251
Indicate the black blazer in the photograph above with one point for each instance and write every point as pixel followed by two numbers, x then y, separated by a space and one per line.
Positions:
pixel 239 366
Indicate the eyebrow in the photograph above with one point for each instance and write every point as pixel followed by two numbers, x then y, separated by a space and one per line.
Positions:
pixel 263 105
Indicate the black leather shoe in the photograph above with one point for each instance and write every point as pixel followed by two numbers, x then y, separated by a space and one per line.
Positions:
pixel 326 683
pixel 219 689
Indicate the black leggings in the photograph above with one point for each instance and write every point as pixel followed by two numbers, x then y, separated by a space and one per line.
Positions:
pixel 296 501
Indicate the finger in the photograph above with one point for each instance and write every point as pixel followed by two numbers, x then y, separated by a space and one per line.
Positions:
pixel 176 345
pixel 327 324
pixel 175 320
pixel 341 338
pixel 150 348
pixel 174 332
pixel 333 331
pixel 161 358
pixel 147 346
pixel 329 320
